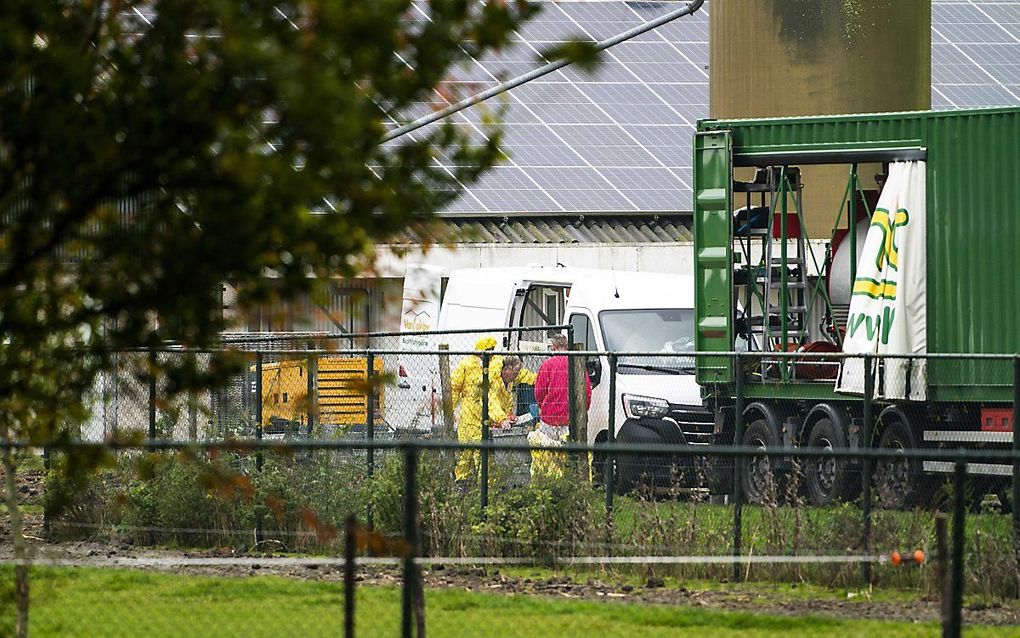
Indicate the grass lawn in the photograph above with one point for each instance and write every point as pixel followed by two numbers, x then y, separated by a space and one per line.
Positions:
pixel 98 602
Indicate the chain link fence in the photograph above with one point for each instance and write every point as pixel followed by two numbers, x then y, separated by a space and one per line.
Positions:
pixel 433 469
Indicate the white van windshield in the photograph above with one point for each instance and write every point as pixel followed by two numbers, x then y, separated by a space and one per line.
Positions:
pixel 667 330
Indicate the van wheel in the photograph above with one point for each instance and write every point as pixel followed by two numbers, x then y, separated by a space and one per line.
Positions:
pixel 649 474
pixel 761 484
pixel 828 479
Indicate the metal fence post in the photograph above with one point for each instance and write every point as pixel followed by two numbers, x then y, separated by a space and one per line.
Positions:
pixel 609 460
pixel 46 507
pixel 152 405
pixel 258 436
pixel 192 416
pixel 410 537
pixel 956 582
pixel 738 464
pixel 370 431
pixel 313 402
pixel 941 568
pixel 484 452
pixel 350 531
pixel 869 392
pixel 1015 496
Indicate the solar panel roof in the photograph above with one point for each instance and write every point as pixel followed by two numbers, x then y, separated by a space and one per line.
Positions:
pixel 616 140
pixel 975 56
pixel 619 139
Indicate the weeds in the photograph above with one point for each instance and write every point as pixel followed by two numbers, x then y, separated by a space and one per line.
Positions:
pixel 303 499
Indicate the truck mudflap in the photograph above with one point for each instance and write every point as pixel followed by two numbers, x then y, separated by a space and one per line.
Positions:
pixel 656 472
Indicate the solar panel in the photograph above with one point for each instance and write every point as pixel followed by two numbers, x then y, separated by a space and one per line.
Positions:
pixel 566 131
pixel 619 139
pixel 975 54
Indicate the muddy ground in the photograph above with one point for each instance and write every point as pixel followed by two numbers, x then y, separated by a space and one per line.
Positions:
pixel 757 599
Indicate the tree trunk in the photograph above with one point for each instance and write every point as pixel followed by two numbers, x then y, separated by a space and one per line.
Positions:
pixel 578 397
pixel 20 553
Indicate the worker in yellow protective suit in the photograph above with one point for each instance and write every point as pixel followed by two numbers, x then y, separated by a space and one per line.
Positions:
pixel 466 385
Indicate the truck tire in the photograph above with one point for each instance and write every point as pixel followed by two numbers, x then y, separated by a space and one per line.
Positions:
pixel 900 483
pixel 829 480
pixel 721 469
pixel 761 484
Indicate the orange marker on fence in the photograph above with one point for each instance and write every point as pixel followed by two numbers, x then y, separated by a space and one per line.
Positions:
pixel 914 558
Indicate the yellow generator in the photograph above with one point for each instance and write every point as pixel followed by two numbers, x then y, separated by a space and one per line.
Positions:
pixel 340 388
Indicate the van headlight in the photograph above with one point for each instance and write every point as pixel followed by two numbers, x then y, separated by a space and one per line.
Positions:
pixel 636 407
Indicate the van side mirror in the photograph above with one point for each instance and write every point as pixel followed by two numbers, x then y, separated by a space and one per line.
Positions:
pixel 594 367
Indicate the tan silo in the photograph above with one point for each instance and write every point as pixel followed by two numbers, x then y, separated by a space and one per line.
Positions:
pixel 771 58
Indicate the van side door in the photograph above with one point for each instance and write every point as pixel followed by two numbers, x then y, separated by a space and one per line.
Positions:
pixel 538 306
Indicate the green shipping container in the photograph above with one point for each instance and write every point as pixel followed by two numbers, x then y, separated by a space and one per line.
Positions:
pixel 973 240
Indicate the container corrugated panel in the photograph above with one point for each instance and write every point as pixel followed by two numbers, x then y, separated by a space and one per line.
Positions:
pixel 974 245
pixel 973 162
pixel 284 392
pixel 341 390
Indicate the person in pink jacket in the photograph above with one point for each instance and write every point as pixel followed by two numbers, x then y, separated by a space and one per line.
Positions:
pixel 552 392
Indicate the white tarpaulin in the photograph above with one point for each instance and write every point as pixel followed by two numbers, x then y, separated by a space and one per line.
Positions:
pixel 888 307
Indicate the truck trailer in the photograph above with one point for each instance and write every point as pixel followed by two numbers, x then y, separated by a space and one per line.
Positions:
pixel 765 288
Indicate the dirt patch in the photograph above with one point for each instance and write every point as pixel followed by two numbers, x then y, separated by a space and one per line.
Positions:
pixel 30 493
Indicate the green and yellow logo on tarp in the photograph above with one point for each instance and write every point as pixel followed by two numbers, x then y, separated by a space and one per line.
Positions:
pixel 887 251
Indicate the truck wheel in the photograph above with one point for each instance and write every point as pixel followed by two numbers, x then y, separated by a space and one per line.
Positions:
pixel 828 479
pixel 899 483
pixel 761 485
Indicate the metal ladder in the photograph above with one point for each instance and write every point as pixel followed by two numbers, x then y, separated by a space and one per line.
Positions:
pixel 776 286
pixel 785 277
pixel 784 324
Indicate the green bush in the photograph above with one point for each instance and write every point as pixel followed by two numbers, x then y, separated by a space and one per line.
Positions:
pixel 84 500
pixel 445 510
pixel 303 500
pixel 546 518
pixel 175 499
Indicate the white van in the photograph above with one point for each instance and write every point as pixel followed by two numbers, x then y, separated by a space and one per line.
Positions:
pixel 657 399
pixel 475 300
